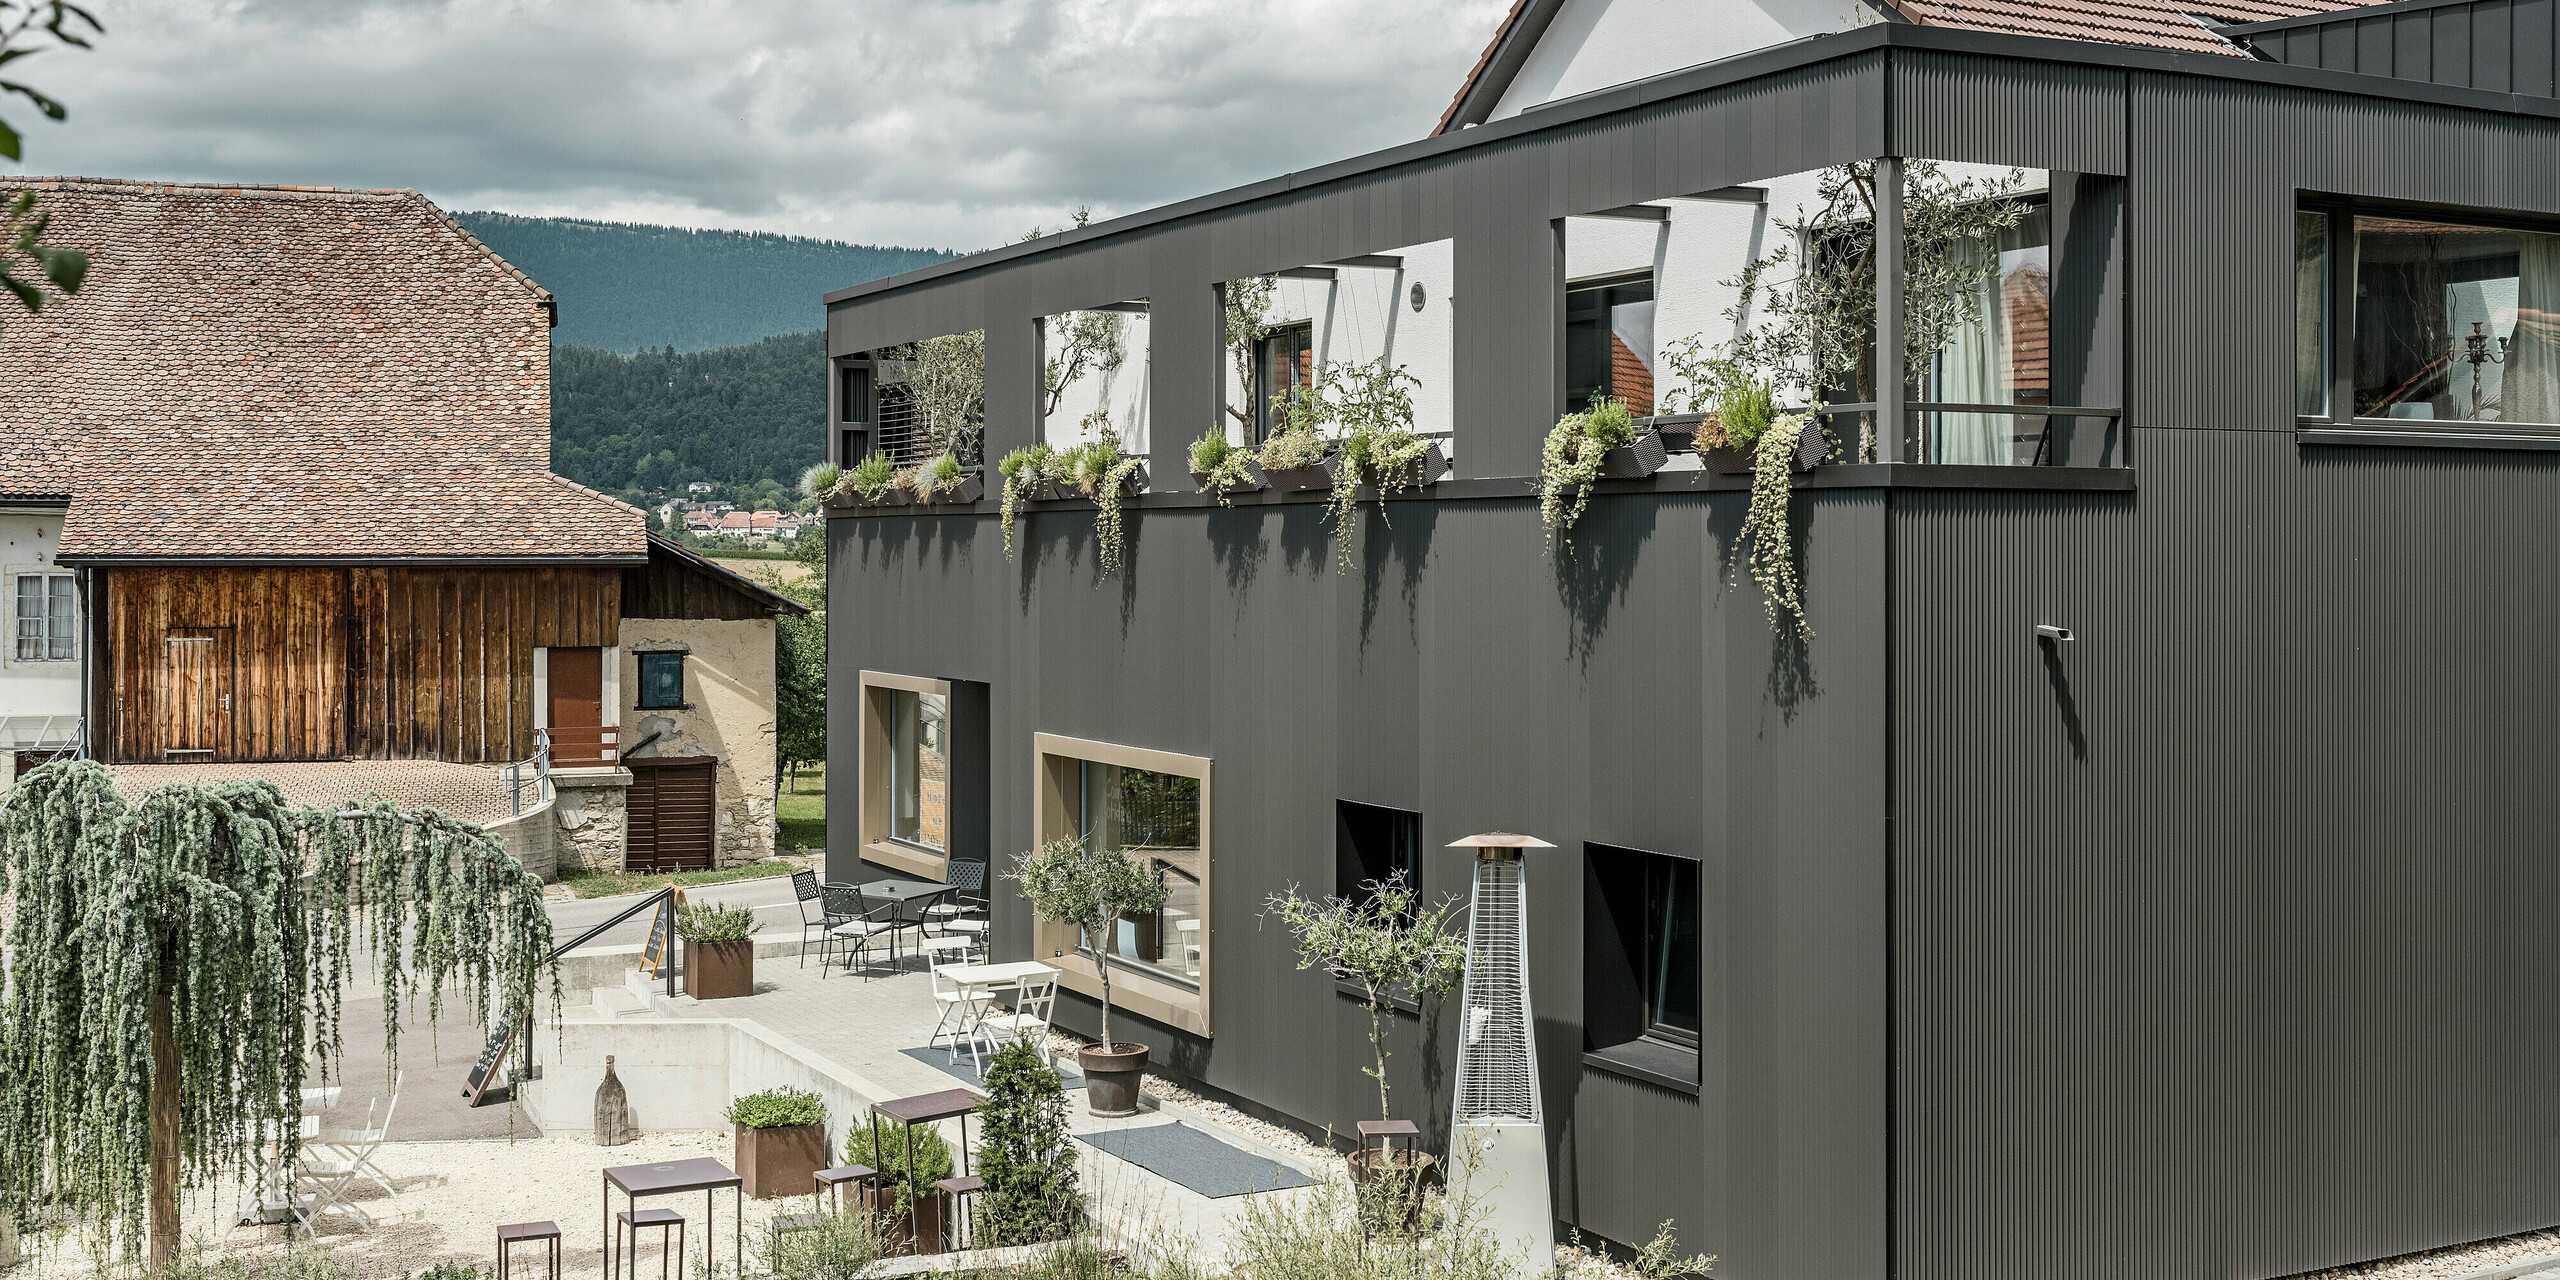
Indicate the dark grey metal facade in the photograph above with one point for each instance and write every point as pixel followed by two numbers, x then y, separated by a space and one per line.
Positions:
pixel 2203 946
pixel 2505 46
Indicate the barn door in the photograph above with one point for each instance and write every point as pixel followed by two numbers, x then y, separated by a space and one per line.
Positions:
pixel 671 814
pixel 580 737
pixel 195 693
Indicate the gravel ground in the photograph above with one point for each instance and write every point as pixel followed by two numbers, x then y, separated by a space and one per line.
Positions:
pixel 2460 1260
pixel 454 1195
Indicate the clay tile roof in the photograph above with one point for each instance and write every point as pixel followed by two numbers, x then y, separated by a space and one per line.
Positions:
pixel 290 372
pixel 2177 25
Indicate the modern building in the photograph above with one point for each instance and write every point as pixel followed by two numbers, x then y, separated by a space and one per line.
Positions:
pixel 2139 868
pixel 275 487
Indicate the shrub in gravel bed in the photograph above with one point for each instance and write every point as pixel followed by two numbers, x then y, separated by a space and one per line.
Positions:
pixel 840 1246
pixel 1024 1153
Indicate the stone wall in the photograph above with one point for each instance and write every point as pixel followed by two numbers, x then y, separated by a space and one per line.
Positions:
pixel 591 820
pixel 728 715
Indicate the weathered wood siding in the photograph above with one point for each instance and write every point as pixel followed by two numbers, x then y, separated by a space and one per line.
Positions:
pixel 671 587
pixel 382 663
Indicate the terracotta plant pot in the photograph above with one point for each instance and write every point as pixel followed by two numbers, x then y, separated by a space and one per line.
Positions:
pixel 1200 480
pixel 902 1236
pixel 1635 461
pixel 1112 1078
pixel 781 1162
pixel 720 970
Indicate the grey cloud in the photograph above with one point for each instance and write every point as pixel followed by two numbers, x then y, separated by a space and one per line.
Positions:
pixel 934 121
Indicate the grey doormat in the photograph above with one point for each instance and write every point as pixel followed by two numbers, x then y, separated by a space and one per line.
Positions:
pixel 1196 1159
pixel 940 1059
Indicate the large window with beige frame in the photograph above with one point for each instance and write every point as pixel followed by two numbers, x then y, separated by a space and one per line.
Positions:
pixel 1155 807
pixel 906 773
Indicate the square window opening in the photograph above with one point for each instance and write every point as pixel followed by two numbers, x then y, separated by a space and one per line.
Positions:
pixel 662 681
pixel 1372 846
pixel 2455 322
pixel 46 618
pixel 1642 995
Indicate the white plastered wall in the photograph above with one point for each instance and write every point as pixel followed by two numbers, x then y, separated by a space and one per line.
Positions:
pixel 1366 313
pixel 1593 44
pixel 1123 390
pixel 32 693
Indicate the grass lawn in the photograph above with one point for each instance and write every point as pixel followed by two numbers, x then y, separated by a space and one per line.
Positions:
pixel 803 813
pixel 606 884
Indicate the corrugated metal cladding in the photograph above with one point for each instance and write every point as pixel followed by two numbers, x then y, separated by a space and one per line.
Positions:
pixel 1950 106
pixel 2505 46
pixel 1618 693
pixel 2217 168
pixel 2219 930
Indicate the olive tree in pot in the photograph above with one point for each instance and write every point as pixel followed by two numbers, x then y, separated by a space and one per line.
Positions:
pixel 1387 944
pixel 781 1140
pixel 1090 890
pixel 719 950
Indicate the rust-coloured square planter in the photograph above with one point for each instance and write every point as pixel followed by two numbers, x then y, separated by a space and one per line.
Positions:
pixel 781 1162
pixel 720 970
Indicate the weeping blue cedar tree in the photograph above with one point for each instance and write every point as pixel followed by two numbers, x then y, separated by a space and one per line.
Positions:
pixel 173 969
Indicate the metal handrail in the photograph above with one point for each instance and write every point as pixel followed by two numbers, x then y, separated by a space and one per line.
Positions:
pixel 663 895
pixel 541 762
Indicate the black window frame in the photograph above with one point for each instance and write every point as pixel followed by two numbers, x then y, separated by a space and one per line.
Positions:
pixel 1606 288
pixel 2338 340
pixel 641 695
pixel 1261 392
pixel 1634 904
pixel 853 393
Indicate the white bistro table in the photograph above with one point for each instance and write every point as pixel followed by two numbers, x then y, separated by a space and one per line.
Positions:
pixel 983 980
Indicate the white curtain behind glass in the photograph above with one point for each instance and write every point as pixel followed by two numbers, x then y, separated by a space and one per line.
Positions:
pixel 2532 384
pixel 1984 361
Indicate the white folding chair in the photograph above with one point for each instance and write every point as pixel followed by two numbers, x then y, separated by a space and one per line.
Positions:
pixel 1032 997
pixel 320 1185
pixel 358 1145
pixel 957 1007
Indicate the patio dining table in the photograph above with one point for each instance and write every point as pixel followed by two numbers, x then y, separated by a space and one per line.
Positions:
pixel 912 897
pixel 675 1177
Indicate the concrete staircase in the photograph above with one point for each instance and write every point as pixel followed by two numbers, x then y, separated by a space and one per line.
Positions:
pixel 639 996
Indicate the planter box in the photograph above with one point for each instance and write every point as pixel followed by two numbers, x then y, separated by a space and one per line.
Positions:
pixel 720 970
pixel 893 496
pixel 1433 465
pixel 972 487
pixel 1811 449
pixel 781 1162
pixel 1200 480
pixel 1302 479
pixel 903 1238
pixel 1635 461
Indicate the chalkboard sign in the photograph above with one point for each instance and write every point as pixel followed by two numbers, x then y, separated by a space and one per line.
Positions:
pixel 662 933
pixel 484 1073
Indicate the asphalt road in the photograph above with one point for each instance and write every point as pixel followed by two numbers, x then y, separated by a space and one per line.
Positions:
pixel 772 899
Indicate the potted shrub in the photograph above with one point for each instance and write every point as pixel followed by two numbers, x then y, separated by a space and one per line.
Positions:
pixel 1379 445
pixel 781 1140
pixel 1024 1153
pixel 942 479
pixel 874 482
pixel 1020 476
pixel 1089 891
pixel 1295 458
pixel 1097 469
pixel 910 1210
pixel 821 481
pixel 719 950
pixel 1220 467
pixel 1386 945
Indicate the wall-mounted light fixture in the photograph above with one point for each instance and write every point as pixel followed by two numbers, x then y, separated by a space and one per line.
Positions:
pixel 2048 631
pixel 1417 295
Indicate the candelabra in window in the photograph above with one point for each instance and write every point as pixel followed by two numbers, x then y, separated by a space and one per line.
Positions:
pixel 2476 351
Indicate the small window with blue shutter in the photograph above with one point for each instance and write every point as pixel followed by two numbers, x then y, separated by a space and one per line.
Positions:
pixel 661 681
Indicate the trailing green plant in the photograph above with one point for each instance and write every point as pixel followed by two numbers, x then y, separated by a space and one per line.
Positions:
pixel 1569 462
pixel 831 1245
pixel 1099 470
pixel 1087 891
pixel 1017 475
pixel 782 1107
pixel 1025 1154
pixel 1766 544
pixel 1384 941
pixel 872 477
pixel 820 480
pixel 176 963
pixel 1221 465
pixel 716 922
pixel 903 1176
pixel 1374 406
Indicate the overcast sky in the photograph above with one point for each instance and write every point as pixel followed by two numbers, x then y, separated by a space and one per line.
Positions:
pixel 940 123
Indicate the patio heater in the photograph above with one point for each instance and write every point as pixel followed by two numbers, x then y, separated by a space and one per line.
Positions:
pixel 1498 1133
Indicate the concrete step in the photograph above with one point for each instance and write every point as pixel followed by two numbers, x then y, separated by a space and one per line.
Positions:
pixel 616 1002
pixel 651 991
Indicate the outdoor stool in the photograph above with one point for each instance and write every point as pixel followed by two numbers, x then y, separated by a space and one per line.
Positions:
pixel 831 1182
pixel 522 1232
pixel 958 1190
pixel 641 1220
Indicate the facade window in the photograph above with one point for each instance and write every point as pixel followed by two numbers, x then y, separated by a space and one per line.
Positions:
pixel 1642 997
pixel 1284 359
pixel 661 681
pixel 1154 807
pixel 920 768
pixel 2456 322
pixel 48 613
pixel 853 394
pixel 2311 314
pixel 2001 351
pixel 1372 845
pixel 1608 343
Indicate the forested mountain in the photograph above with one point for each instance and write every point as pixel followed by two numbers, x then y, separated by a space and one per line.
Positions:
pixel 630 287
pixel 747 418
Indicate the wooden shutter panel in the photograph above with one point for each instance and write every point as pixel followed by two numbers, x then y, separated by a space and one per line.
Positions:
pixel 673 813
